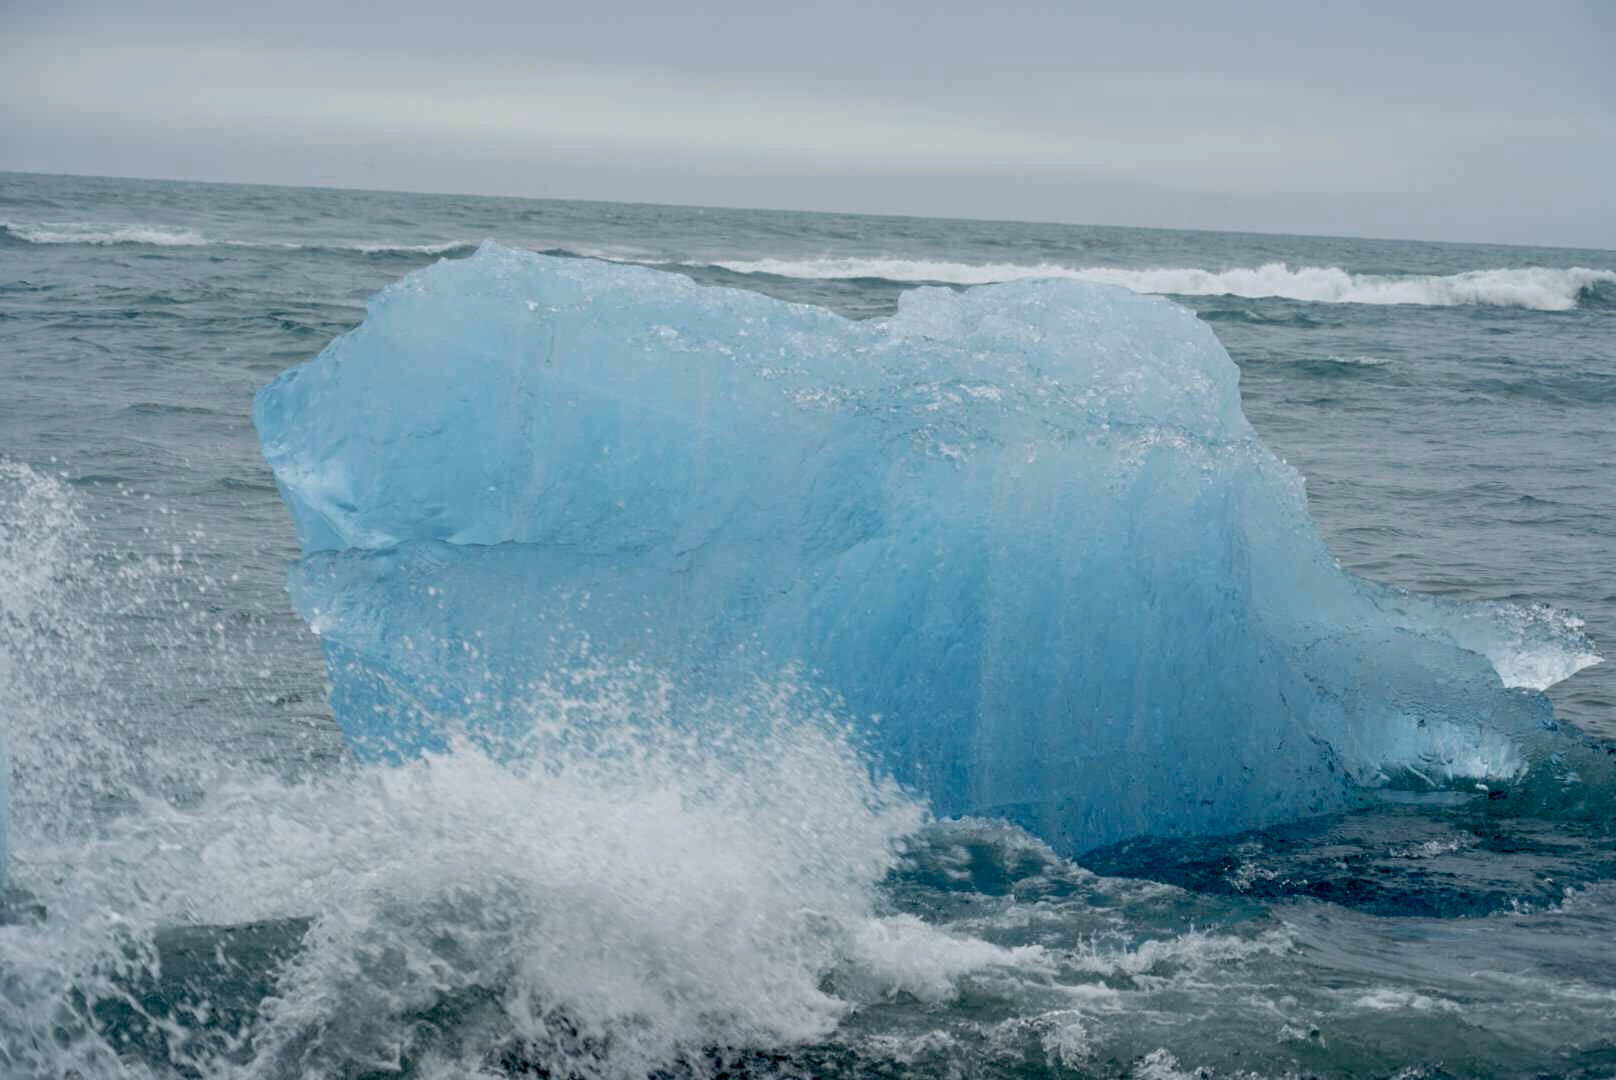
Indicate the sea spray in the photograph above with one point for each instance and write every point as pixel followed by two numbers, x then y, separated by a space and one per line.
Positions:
pixel 44 657
pixel 604 910
pixel 1430 933
pixel 637 889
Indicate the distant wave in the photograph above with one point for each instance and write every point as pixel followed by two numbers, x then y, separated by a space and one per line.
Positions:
pixel 1354 361
pixel 401 249
pixel 74 232
pixel 1538 287
pixel 101 235
pixel 445 248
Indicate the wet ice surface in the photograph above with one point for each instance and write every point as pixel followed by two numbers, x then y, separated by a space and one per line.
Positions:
pixel 1023 533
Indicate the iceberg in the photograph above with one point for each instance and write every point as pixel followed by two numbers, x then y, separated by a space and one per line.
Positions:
pixel 1022 533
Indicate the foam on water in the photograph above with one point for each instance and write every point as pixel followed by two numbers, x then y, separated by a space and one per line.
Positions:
pixel 602 920
pixel 629 896
pixel 174 779
pixel 449 247
pixel 1536 287
pixel 101 235
pixel 644 895
pixel 413 249
pixel 98 234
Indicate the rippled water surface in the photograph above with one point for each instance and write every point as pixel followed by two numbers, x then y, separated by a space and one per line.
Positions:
pixel 202 884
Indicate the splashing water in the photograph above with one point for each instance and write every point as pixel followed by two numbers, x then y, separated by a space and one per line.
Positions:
pixel 622 899
pixel 203 887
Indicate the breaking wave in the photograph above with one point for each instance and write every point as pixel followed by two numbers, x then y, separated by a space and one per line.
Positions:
pixel 104 235
pixel 447 248
pixel 79 232
pixel 1540 288
pixel 614 905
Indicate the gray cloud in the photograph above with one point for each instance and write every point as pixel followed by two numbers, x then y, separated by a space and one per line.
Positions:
pixel 1433 120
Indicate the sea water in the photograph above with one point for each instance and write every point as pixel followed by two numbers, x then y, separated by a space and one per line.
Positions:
pixel 203 881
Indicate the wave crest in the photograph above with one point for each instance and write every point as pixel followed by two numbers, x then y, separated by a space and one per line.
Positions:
pixel 647 884
pixel 96 234
pixel 1540 288
pixel 101 235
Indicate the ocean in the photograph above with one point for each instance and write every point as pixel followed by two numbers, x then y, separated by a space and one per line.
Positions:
pixel 203 883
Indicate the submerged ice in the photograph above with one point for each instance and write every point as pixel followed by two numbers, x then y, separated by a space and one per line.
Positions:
pixel 1023 536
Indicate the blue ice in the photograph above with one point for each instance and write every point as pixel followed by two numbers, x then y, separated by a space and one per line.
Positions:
pixel 1023 533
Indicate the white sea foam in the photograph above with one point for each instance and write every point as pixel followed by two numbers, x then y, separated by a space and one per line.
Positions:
pixel 1392 999
pixel 619 906
pixel 1161 1065
pixel 642 888
pixel 1357 361
pixel 403 249
pixel 1538 287
pixel 101 235
pixel 97 234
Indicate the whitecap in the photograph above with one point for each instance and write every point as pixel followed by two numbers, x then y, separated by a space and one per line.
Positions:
pixel 1537 287
pixel 101 235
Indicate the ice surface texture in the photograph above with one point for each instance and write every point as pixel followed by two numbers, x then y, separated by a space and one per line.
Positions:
pixel 1024 533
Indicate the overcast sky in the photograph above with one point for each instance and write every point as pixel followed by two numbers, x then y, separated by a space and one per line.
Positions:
pixel 1457 121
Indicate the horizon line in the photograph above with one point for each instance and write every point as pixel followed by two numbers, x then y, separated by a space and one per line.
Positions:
pixel 797 210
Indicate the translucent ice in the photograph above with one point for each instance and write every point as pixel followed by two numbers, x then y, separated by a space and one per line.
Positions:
pixel 1023 533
